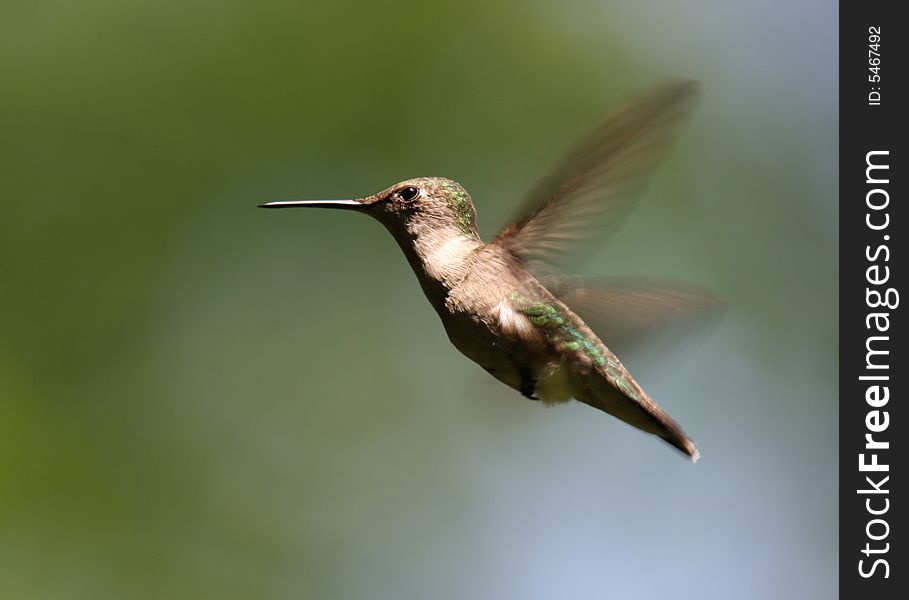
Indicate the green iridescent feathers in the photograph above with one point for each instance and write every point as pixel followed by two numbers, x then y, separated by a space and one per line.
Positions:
pixel 460 202
pixel 560 329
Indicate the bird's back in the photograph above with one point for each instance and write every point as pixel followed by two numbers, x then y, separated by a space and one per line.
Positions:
pixel 504 319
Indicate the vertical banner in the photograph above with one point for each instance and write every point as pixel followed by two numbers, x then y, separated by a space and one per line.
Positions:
pixel 873 363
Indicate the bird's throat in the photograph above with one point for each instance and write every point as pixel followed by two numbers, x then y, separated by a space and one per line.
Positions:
pixel 439 257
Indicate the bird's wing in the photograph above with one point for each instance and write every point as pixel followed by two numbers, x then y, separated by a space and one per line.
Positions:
pixel 597 183
pixel 624 312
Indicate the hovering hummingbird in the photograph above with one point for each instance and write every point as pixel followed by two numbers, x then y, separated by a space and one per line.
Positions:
pixel 503 304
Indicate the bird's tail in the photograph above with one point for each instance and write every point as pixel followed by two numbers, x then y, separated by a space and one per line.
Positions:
pixel 614 391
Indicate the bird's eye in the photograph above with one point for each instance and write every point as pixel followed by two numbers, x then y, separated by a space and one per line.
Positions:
pixel 409 193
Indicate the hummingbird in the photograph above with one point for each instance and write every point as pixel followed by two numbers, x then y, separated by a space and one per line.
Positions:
pixel 507 304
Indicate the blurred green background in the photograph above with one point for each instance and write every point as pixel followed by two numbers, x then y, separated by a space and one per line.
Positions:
pixel 200 399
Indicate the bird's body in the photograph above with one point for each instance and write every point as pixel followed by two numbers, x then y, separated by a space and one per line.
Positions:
pixel 495 301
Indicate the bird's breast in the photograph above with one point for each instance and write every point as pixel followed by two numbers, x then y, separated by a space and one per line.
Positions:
pixel 478 338
pixel 505 343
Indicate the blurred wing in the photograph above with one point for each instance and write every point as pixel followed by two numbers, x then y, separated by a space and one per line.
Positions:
pixel 624 312
pixel 596 184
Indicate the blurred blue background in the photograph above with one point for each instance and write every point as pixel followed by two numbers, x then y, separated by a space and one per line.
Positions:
pixel 200 399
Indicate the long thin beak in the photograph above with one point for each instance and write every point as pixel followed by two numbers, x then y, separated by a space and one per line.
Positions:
pixel 343 204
